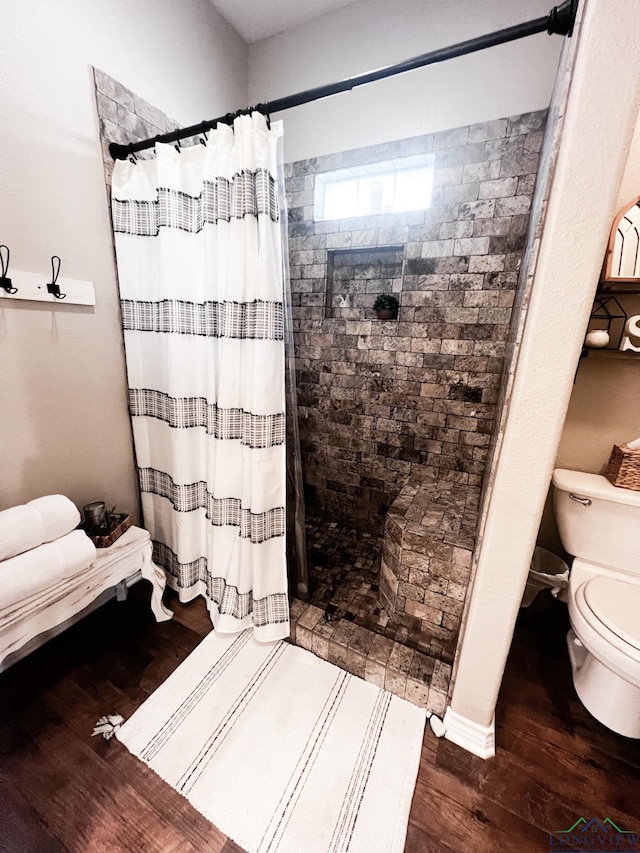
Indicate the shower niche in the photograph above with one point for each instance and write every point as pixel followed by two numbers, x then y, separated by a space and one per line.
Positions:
pixel 356 276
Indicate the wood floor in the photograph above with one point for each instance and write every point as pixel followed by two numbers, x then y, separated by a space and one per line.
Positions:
pixel 61 790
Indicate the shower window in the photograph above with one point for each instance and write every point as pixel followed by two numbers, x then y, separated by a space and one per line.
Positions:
pixel 392 186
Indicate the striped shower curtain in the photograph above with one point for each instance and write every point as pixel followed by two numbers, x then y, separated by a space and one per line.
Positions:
pixel 200 267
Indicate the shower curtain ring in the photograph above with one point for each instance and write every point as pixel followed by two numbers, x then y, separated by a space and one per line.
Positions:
pixel 132 158
pixel 264 110
pixel 178 147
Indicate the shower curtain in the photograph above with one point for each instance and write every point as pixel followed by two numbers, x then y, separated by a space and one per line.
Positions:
pixel 201 282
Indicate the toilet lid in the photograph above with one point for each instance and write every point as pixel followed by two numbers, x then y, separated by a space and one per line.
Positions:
pixel 617 605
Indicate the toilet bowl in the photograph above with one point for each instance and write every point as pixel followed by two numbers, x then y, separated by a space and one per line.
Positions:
pixel 600 525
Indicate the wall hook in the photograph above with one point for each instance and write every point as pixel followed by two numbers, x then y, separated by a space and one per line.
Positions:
pixel 52 287
pixel 5 282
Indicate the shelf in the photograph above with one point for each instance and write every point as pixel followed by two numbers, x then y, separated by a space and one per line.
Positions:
pixel 610 287
pixel 610 353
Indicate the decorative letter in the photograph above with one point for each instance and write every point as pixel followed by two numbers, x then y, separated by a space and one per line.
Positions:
pixel 633 331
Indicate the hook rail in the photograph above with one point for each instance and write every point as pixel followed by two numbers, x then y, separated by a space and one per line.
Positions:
pixel 38 288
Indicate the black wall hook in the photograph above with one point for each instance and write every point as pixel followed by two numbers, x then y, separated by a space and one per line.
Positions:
pixel 5 282
pixel 52 287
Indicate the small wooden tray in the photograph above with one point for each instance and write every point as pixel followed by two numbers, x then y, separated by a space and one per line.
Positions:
pixel 118 523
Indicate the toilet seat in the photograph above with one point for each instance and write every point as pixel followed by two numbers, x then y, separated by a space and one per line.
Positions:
pixel 616 605
pixel 589 613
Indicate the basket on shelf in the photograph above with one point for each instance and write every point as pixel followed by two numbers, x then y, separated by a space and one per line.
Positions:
pixel 623 469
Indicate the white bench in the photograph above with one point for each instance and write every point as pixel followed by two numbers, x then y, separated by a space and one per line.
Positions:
pixel 111 574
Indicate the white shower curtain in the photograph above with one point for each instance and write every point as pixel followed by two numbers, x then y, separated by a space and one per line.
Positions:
pixel 201 283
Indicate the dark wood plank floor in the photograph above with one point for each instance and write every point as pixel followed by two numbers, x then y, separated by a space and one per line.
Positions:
pixel 61 790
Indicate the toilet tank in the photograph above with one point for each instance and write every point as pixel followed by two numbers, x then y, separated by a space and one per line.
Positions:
pixel 598 522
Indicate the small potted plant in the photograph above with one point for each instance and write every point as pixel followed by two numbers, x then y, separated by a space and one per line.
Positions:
pixel 386 306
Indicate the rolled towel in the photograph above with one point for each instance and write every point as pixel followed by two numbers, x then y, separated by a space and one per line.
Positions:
pixel 44 567
pixel 41 520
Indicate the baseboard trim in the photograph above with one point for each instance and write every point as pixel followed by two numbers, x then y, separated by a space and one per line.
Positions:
pixel 480 740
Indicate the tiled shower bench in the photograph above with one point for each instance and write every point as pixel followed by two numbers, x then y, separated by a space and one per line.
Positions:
pixel 429 537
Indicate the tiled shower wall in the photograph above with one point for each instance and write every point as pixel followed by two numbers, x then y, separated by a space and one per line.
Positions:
pixel 382 401
pixel 125 117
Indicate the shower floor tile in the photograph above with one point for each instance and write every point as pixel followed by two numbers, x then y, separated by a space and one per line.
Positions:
pixel 345 624
pixel 344 568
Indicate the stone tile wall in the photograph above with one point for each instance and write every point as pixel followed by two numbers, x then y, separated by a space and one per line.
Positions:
pixel 125 117
pixel 383 401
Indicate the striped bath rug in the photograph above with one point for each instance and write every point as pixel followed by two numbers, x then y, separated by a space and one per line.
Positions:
pixel 282 751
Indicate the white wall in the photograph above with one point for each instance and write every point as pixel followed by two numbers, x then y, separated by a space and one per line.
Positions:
pixel 63 415
pixel 599 122
pixel 502 81
pixel 590 431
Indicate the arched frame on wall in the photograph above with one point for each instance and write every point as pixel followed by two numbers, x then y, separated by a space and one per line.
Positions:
pixel 621 271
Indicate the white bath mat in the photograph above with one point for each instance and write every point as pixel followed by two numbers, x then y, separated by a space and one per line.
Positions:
pixel 282 751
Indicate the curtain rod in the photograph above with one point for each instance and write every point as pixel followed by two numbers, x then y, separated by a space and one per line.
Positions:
pixel 559 21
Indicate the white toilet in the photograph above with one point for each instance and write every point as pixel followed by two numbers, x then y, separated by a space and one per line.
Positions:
pixel 600 525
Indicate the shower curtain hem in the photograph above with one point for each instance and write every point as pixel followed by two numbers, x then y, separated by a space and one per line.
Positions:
pixel 223 623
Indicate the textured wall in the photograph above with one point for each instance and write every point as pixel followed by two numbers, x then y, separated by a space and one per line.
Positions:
pixel 382 401
pixel 599 118
pixel 512 78
pixel 63 407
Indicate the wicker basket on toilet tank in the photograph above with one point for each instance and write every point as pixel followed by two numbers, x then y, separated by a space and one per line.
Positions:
pixel 623 469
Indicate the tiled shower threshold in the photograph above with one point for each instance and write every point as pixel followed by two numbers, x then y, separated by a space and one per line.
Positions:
pixel 345 624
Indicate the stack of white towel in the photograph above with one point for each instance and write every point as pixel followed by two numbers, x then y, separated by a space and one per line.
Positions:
pixel 41 552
